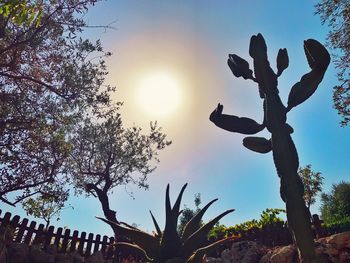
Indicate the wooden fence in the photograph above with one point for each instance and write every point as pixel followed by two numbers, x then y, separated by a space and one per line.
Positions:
pixel 64 240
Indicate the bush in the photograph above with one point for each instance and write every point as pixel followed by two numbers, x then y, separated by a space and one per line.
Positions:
pixel 336 205
pixel 270 230
pixel 337 226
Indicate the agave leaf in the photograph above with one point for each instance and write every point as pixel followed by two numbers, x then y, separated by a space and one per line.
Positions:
pixel 197 256
pixel 159 232
pixel 194 224
pixel 134 248
pixel 197 238
pixel 303 89
pixel 257 144
pixel 148 242
pixel 167 203
pixel 176 207
pixel 170 241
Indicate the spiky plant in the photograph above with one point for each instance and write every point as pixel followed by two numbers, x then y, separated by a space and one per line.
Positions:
pixel 169 245
pixel 275 120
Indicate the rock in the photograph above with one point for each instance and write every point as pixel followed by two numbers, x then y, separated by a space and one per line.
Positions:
pixel 242 252
pixel 18 253
pixel 52 249
pixel 212 260
pixel 266 258
pixel 283 255
pixel 37 255
pixel 344 256
pixel 77 257
pixel 339 240
pixel 96 257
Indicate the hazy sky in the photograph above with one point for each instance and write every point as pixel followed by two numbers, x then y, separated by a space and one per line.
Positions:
pixel 188 42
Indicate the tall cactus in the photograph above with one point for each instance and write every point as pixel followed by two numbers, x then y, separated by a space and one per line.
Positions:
pixel 275 120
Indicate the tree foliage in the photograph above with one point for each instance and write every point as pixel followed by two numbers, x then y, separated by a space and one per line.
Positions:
pixel 106 155
pixel 50 78
pixel 187 213
pixel 336 205
pixel 312 181
pixel 48 205
pixel 336 14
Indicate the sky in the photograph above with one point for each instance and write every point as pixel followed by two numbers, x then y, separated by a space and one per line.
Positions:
pixel 184 45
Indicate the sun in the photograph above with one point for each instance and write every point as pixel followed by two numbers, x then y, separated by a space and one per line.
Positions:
pixel 158 94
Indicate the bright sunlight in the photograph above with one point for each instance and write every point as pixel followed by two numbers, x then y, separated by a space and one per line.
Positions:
pixel 159 94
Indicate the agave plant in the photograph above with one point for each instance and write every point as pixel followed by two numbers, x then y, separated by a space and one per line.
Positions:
pixel 169 245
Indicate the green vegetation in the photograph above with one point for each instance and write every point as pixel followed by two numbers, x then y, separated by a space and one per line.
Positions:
pixel 312 181
pixel 270 230
pixel 335 206
pixel 170 245
pixel 336 14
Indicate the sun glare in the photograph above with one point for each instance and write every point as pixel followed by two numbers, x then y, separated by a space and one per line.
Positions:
pixel 158 94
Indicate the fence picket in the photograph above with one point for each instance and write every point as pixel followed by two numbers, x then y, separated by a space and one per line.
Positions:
pixel 97 242
pixel 49 235
pixel 65 240
pixel 22 227
pixel 39 235
pixel 74 241
pixel 89 244
pixel 58 236
pixel 30 232
pixel 81 243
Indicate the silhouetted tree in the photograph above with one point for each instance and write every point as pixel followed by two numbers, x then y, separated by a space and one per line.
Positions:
pixel 336 14
pixel 50 78
pixel 106 155
pixel 312 181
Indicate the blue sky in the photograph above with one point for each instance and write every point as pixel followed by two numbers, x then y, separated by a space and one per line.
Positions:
pixel 191 40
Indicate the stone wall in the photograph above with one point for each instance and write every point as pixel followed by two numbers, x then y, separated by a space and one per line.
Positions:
pixel 335 248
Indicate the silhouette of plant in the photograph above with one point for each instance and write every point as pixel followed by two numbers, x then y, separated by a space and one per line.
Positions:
pixel 170 245
pixel 275 116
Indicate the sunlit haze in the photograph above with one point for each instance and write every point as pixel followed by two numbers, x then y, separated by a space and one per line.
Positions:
pixel 169 65
pixel 158 94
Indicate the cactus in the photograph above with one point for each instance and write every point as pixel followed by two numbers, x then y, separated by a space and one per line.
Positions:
pixel 169 245
pixel 275 116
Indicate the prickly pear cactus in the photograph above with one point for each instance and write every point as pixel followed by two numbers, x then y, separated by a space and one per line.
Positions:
pixel 169 246
pixel 275 121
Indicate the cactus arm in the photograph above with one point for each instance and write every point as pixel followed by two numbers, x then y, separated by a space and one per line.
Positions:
pixel 233 123
pixel 318 59
pixel 194 224
pixel 240 67
pixel 257 144
pixel 282 61
pixel 148 242
pixel 197 238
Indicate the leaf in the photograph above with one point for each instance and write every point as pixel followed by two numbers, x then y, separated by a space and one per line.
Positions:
pixel 159 232
pixel 239 67
pixel 197 238
pixel 194 224
pixel 148 242
pixel 134 248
